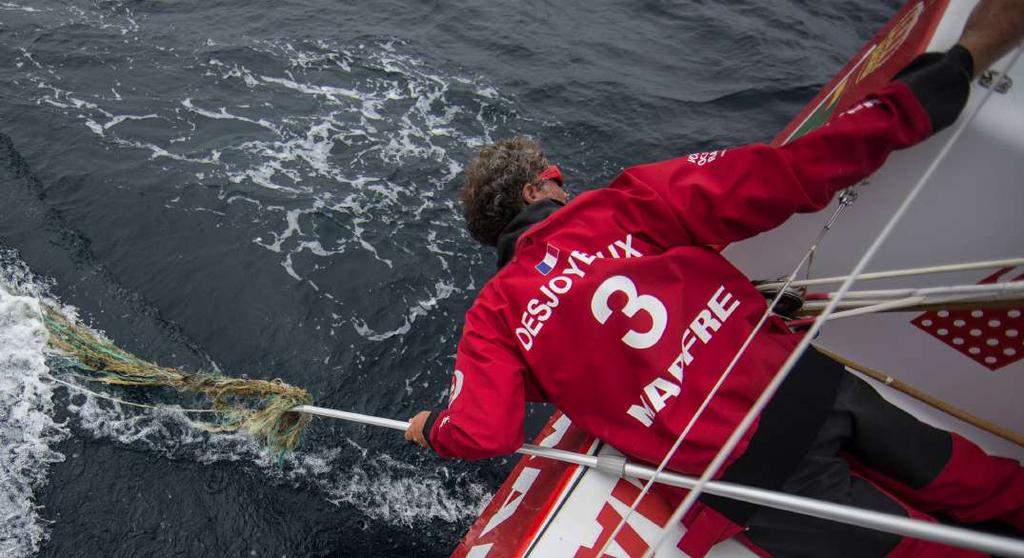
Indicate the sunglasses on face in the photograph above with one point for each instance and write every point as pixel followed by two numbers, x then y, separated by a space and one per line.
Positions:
pixel 552 172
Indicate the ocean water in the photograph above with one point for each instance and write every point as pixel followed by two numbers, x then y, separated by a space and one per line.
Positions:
pixel 269 189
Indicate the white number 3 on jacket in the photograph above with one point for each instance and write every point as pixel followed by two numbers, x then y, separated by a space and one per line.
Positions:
pixel 635 302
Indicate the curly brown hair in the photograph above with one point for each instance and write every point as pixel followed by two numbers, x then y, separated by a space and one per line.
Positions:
pixel 492 194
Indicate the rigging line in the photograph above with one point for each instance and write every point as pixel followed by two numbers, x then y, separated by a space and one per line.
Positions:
pixel 911 304
pixel 1010 262
pixel 805 317
pixel 876 306
pixel 805 341
pixel 958 536
pixel 995 288
pixel 846 199
pixel 886 306
pixel 129 403
pixel 895 305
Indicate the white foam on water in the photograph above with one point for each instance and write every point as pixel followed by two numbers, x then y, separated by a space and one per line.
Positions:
pixel 16 7
pixel 330 93
pixel 394 491
pixel 292 219
pixel 223 114
pixel 324 55
pixel 403 114
pixel 234 71
pixel 361 114
pixel 418 309
pixel 99 129
pixel 27 429
pixel 114 17
pixel 377 485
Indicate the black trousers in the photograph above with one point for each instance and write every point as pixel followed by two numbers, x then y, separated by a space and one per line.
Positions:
pixel 865 438
pixel 830 436
pixel 864 427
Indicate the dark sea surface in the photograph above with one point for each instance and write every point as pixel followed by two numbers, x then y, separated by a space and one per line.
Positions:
pixel 269 188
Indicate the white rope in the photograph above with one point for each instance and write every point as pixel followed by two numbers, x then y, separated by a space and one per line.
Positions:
pixel 805 341
pixel 997 288
pixel 886 306
pixel 1013 262
pixel 861 307
pixel 912 303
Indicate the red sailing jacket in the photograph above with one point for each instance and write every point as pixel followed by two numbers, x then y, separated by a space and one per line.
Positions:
pixel 614 309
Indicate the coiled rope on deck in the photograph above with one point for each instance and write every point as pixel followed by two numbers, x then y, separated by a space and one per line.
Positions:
pixel 261 407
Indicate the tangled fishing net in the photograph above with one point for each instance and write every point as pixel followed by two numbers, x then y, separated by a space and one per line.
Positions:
pixel 260 407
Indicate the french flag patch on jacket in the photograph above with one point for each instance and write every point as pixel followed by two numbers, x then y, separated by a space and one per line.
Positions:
pixel 549 262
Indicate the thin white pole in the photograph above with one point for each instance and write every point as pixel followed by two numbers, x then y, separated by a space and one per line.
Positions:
pixel 352 417
pixel 956 536
pixel 998 288
pixel 886 306
pixel 1013 262
pixel 909 304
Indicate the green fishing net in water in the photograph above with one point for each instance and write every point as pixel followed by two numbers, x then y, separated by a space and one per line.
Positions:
pixel 260 407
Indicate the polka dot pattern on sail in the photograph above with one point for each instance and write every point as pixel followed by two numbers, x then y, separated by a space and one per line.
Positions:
pixel 991 337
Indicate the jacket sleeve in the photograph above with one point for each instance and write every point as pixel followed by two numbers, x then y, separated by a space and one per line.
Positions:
pixel 486 405
pixel 727 196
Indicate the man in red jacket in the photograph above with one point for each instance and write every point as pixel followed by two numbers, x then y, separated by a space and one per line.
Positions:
pixel 613 308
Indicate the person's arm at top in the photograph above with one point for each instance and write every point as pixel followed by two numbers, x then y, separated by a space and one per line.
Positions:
pixel 936 80
pixel 752 189
pixel 992 29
